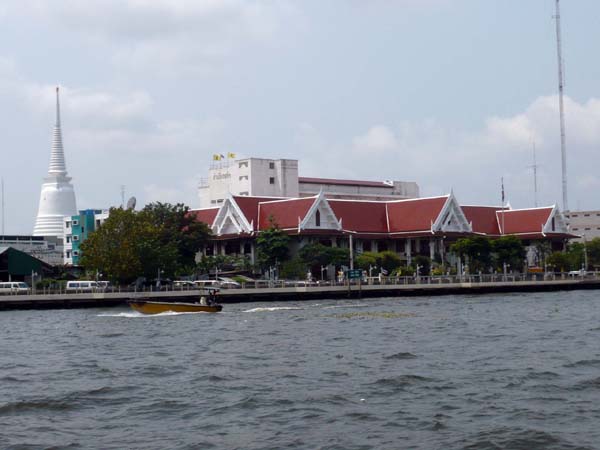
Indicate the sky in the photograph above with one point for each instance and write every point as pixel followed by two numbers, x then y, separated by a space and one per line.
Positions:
pixel 452 94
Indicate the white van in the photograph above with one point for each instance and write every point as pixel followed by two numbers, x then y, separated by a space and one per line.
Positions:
pixel 207 283
pixel 82 286
pixel 14 287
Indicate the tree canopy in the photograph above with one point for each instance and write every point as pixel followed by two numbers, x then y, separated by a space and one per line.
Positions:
pixel 272 245
pixel 130 244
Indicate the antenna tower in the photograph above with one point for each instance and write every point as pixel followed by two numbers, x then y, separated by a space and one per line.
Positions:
pixel 561 84
pixel 535 166
pixel 123 196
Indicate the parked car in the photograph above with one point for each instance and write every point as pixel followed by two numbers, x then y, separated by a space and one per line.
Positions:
pixel 14 287
pixel 82 286
pixel 228 283
pixel 184 284
pixel 104 285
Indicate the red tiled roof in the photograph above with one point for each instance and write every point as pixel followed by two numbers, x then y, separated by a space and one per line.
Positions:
pixel 285 212
pixel 523 220
pixel 483 218
pixel 205 215
pixel 309 180
pixel 360 216
pixel 249 206
pixel 415 214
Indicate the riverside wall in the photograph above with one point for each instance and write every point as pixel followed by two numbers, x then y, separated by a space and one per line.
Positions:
pixel 291 293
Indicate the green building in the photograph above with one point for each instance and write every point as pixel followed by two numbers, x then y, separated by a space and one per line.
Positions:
pixel 77 229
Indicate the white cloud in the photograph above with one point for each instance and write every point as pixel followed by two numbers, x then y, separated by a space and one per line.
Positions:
pixel 440 158
pixel 165 36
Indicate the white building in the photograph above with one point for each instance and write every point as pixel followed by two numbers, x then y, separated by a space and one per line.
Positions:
pixel 46 248
pixel 57 198
pixel 584 223
pixel 259 177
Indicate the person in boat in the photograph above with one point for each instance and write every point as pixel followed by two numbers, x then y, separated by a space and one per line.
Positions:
pixel 203 301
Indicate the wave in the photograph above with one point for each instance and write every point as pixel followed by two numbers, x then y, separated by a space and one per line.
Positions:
pixel 273 308
pixel 401 355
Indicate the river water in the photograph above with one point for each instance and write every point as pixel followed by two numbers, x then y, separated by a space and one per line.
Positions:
pixel 519 371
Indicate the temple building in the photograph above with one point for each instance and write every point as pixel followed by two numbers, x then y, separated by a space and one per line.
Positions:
pixel 420 226
pixel 57 198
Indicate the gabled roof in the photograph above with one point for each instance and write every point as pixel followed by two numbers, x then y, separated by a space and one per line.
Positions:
pixel 287 213
pixel 414 214
pixel 361 216
pixel 483 218
pixel 518 221
pixel 206 215
pixel 249 207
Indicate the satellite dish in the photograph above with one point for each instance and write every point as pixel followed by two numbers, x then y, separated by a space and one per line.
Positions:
pixel 131 203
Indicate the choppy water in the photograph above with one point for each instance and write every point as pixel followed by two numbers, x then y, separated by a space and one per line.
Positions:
pixel 489 372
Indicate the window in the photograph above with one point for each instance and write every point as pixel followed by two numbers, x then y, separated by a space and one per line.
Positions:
pixel 220 200
pixel 98 223
pixel 271 165
pixel 586 215
pixel 244 193
pixel 213 202
pixel 75 238
pixel 68 239
pixel 573 215
pixel 318 218
pixel 75 223
pixel 575 229
pixel 68 254
pixel 243 177
pixel 82 229
pixel 243 164
pixel 67 224
pixel 271 180
pixel 588 229
pixel 75 252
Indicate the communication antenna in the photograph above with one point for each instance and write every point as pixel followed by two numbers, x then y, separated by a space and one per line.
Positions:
pixel 535 166
pixel 122 196
pixel 561 84
pixel 131 203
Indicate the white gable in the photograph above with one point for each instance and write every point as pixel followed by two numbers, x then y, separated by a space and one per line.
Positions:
pixel 557 219
pixel 451 218
pixel 230 219
pixel 320 216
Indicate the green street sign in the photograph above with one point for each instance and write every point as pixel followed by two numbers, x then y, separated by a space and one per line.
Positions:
pixel 354 274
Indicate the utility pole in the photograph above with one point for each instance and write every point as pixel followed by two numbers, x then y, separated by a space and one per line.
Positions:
pixel 561 85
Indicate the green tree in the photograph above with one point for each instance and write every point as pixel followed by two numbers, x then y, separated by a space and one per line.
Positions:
pixel 365 260
pixel 131 244
pixel 424 264
pixel 576 255
pixel 272 245
pixel 593 252
pixel 294 269
pixel 322 255
pixel 477 249
pixel 389 260
pixel 559 261
pixel 509 250
pixel 125 247
pixel 179 228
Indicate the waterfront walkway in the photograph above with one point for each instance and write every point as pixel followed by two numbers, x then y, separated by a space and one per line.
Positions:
pixel 286 291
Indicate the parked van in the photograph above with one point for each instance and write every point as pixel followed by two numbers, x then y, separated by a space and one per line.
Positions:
pixel 14 287
pixel 207 283
pixel 82 286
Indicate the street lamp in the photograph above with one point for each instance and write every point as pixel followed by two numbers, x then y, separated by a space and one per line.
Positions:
pixel 322 270
pixel 33 275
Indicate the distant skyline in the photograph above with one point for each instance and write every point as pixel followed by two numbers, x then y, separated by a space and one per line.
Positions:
pixel 451 94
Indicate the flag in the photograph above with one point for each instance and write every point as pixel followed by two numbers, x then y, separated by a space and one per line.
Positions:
pixel 383 271
pixel 216 157
pixel 231 155
pixel 502 180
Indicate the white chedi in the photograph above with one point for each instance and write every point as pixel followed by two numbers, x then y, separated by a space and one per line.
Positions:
pixel 57 198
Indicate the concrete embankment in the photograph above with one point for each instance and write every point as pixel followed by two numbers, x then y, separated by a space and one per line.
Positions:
pixel 106 299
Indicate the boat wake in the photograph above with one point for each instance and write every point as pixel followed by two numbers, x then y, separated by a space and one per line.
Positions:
pixel 135 314
pixel 275 308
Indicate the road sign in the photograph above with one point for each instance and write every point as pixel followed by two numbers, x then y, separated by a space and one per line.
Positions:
pixel 354 274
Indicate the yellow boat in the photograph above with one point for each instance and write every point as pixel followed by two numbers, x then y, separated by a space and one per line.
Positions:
pixel 149 307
